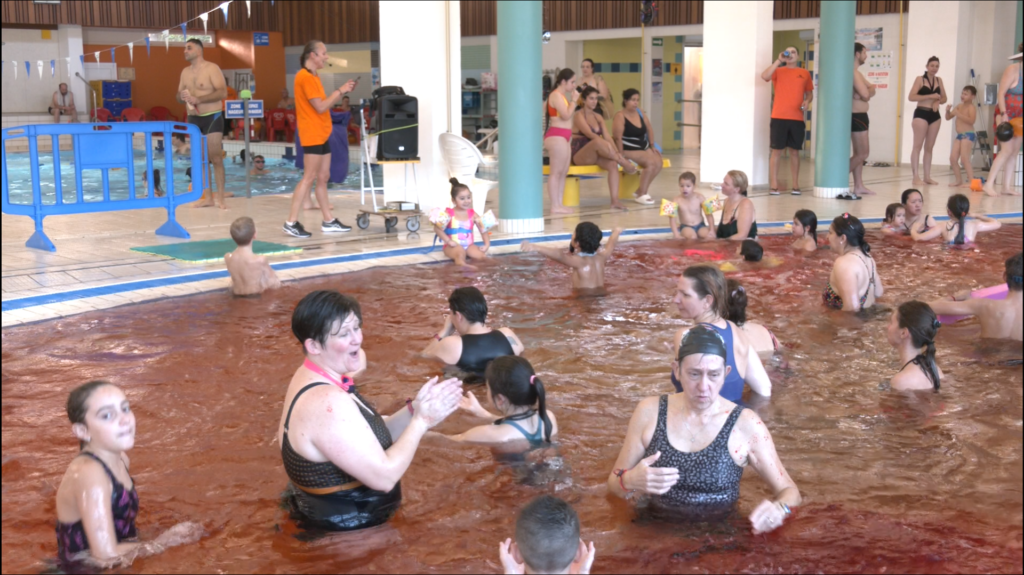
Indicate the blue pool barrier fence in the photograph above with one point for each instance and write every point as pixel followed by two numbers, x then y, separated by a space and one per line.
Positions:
pixel 104 146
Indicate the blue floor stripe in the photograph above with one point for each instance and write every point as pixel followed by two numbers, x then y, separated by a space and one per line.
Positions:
pixel 27 302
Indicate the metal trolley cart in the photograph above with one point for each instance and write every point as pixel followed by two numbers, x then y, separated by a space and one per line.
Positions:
pixel 391 211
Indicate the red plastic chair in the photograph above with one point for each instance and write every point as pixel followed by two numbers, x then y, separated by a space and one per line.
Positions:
pixel 293 124
pixel 133 115
pixel 102 115
pixel 238 134
pixel 161 114
pixel 276 123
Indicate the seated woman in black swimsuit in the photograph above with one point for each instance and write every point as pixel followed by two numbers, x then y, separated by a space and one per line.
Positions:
pixel 591 144
pixel 738 214
pixel 688 450
pixel 854 283
pixel 343 458
pixel 465 341
pixel 96 501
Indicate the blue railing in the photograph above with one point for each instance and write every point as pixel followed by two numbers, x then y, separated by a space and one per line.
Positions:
pixel 103 147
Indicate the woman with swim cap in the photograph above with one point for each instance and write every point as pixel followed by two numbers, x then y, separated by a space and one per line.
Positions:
pixel 97 502
pixel 912 328
pixel 687 451
pixel 854 283
pixel 701 296
pixel 343 458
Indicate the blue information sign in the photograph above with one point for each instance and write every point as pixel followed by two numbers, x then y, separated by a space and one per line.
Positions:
pixel 260 39
pixel 233 109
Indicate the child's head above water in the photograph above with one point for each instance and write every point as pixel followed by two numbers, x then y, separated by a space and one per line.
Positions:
pixel 958 206
pixel 805 223
pixel 587 238
pixel 548 535
pixel 512 384
pixel 1014 272
pixel 896 215
pixel 243 230
pixel 462 198
pixel 687 183
pixel 751 251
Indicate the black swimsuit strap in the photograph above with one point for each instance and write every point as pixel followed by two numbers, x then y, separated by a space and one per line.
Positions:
pixel 287 420
pixel 517 417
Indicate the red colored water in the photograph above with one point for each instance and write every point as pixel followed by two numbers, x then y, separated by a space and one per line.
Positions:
pixel 890 484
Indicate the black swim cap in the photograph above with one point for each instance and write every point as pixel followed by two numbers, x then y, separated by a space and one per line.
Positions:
pixel 702 340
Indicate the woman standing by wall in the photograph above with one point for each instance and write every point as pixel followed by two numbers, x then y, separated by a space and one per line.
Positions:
pixel 929 93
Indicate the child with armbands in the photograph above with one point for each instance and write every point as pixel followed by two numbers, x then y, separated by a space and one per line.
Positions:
pixel 686 210
pixel 454 226
pixel 547 540
pixel 585 257
pixel 895 221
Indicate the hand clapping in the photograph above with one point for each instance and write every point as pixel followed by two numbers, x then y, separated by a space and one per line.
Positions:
pixel 437 400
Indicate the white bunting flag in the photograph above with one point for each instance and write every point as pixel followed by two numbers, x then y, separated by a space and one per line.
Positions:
pixel 224 8
pixel 204 17
pixel 53 68
pixel 167 40
pixel 39 64
pixel 131 52
pixel 15 63
pixel 248 8
pixel 68 60
pixel 97 55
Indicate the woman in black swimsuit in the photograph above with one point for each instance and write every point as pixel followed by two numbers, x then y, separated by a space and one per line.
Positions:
pixel 929 93
pixel 912 330
pixel 738 214
pixel 97 502
pixel 688 450
pixel 635 140
pixel 916 220
pixel 343 458
pixel 591 144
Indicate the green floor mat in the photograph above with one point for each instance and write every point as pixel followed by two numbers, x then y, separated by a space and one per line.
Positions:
pixel 213 250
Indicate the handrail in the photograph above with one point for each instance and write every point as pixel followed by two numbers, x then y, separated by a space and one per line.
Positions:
pixel 103 147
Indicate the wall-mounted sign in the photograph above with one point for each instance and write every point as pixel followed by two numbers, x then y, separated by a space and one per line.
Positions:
pixel 260 39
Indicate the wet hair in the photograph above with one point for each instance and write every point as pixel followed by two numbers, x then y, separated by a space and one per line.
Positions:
pixel 188 173
pixel 739 179
pixel 589 237
pixel 853 229
pixel 241 155
pixel 891 210
pixel 688 176
pixel 701 340
pixel 470 302
pixel 959 206
pixel 909 192
pixel 308 49
pixel 971 89
pixel 627 94
pixel 179 137
pixel 76 406
pixel 513 377
pixel 918 318
pixel 809 220
pixel 709 280
pixel 548 534
pixel 457 187
pixel 316 313
pixel 242 230
pixel 737 302
pixel 195 42
pixel 1014 273
pixel 858 48
pixel 751 251
pixel 564 75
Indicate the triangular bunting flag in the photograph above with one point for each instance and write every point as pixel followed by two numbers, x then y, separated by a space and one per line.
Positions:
pixel 224 8
pixel 81 59
pixel 167 39
pixel 39 65
pixel 67 59
pixel 53 68
pixel 131 52
pixel 112 55
pixel 204 17
pixel 97 55
pixel 147 46
pixel 28 69
pixel 15 64
pixel 184 33
pixel 248 8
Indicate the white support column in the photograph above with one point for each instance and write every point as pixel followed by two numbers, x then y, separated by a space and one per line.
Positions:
pixel 736 107
pixel 429 67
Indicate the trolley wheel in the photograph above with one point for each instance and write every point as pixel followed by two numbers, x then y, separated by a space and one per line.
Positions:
pixel 363 221
pixel 390 224
pixel 413 224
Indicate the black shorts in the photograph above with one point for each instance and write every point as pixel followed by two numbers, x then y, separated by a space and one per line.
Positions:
pixel 860 122
pixel 62 112
pixel 930 116
pixel 787 134
pixel 321 150
pixel 209 124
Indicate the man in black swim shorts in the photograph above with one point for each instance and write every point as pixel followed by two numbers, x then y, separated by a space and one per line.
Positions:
pixel 201 89
pixel 862 92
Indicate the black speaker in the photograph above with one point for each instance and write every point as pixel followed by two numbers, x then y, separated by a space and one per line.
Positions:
pixel 396 121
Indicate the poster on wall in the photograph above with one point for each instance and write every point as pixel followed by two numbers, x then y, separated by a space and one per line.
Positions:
pixel 880 78
pixel 656 67
pixel 375 77
pixel 656 91
pixel 880 61
pixel 870 37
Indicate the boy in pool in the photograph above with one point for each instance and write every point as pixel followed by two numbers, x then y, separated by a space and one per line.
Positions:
pixel 688 221
pixel 585 257
pixel 999 318
pixel 250 273
pixel 547 540
pixel 750 250
pixel 965 113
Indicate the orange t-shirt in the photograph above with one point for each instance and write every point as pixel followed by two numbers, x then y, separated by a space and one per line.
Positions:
pixel 314 128
pixel 790 86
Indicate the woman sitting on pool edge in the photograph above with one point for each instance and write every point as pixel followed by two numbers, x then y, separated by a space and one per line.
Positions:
pixel 701 296
pixel 854 283
pixel 96 501
pixel 688 450
pixel 465 341
pixel 514 389
pixel 959 230
pixel 343 459
pixel 913 327
pixel 742 216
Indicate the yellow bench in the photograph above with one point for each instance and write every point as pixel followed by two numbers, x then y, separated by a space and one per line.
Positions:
pixel 628 184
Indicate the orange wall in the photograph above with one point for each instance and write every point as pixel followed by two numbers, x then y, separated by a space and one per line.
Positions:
pixel 157 76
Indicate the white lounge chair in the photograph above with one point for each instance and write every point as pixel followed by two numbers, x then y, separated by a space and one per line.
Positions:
pixel 463 159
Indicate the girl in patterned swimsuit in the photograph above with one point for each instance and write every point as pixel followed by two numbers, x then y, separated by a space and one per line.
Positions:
pixel 853 268
pixel 457 234
pixel 97 502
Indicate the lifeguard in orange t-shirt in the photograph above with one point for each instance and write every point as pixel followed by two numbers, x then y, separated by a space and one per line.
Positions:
pixel 313 115
pixel 793 92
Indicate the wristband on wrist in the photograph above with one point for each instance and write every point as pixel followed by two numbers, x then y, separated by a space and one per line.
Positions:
pixel 408 404
pixel 620 473
pixel 785 508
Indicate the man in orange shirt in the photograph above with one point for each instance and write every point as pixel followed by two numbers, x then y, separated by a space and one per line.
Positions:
pixel 793 92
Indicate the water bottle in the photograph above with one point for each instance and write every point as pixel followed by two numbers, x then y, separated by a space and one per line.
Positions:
pixel 786 54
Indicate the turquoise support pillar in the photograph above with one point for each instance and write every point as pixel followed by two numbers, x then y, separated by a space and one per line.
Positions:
pixel 520 178
pixel 834 105
pixel 1019 35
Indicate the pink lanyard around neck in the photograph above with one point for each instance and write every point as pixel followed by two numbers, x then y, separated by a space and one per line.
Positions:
pixel 345 384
